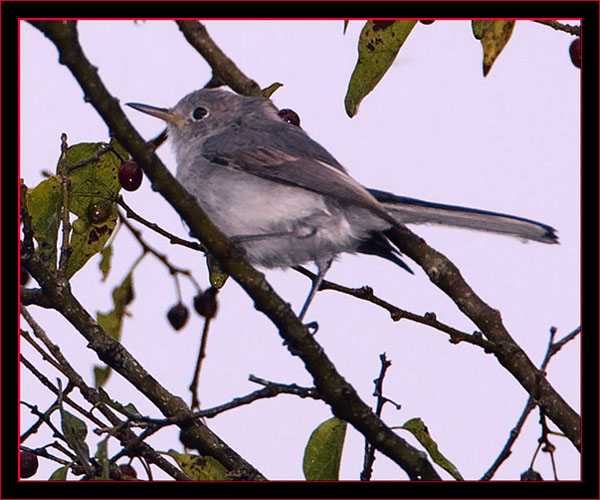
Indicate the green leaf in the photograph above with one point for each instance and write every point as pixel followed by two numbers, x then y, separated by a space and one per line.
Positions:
pixel 102 459
pixel 129 410
pixel 493 35
pixel 200 468
pixel 75 432
pixel 59 474
pixel 104 266
pixel 112 321
pixel 216 275
pixel 378 46
pixel 93 179
pixel 323 452
pixel 44 203
pixel 418 429
pixel 270 90
pixel 101 374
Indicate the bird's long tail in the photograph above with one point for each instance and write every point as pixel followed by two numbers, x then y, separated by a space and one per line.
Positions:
pixel 413 211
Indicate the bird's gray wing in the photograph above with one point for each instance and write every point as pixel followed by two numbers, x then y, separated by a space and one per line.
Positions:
pixel 286 161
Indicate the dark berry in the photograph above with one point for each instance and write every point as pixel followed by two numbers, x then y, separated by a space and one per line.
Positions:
pixel 427 21
pixel 290 116
pixel 531 475
pixel 575 52
pixel 128 470
pixel 99 212
pixel 205 303
pixel 130 175
pixel 178 315
pixel 29 464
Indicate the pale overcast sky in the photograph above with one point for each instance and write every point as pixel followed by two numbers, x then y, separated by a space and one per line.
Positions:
pixel 435 129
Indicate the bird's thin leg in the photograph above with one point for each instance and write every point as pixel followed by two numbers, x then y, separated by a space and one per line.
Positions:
pixel 323 268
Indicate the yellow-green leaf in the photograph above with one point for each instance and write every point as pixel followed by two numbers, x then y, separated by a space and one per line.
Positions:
pixel 102 459
pixel 112 321
pixel 417 428
pixel 378 46
pixel 105 261
pixel 129 410
pixel 323 452
pixel 101 374
pixel 216 275
pixel 75 432
pixel 59 474
pixel 270 90
pixel 200 468
pixel 93 177
pixel 92 172
pixel 89 241
pixel 43 204
pixel 494 35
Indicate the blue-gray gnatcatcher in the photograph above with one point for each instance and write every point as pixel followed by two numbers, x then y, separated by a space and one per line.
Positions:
pixel 283 199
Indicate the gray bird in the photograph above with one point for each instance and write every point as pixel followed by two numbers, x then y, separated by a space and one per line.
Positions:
pixel 284 200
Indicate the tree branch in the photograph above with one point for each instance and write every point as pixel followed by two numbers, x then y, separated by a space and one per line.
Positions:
pixel 116 356
pixel 224 69
pixel 553 348
pixel 428 319
pixel 124 434
pixel 446 276
pixel 567 28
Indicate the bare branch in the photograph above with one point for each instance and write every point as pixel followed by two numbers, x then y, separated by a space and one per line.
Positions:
pixel 125 436
pixel 552 349
pixel 446 276
pixel 174 240
pixel 429 319
pixel 224 69
pixel 567 28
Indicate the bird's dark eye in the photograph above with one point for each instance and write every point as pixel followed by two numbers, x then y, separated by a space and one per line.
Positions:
pixel 199 113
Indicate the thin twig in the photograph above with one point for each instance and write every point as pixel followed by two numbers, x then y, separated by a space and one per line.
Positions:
pixel 65 249
pixel 104 148
pixel 270 390
pixel 42 452
pixel 174 240
pixel 428 319
pixel 567 28
pixel 547 446
pixel 201 355
pixel 45 418
pixel 224 69
pixel 125 435
pixel 369 455
pixel 552 349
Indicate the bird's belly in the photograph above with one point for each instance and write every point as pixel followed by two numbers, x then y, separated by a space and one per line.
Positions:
pixel 278 225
